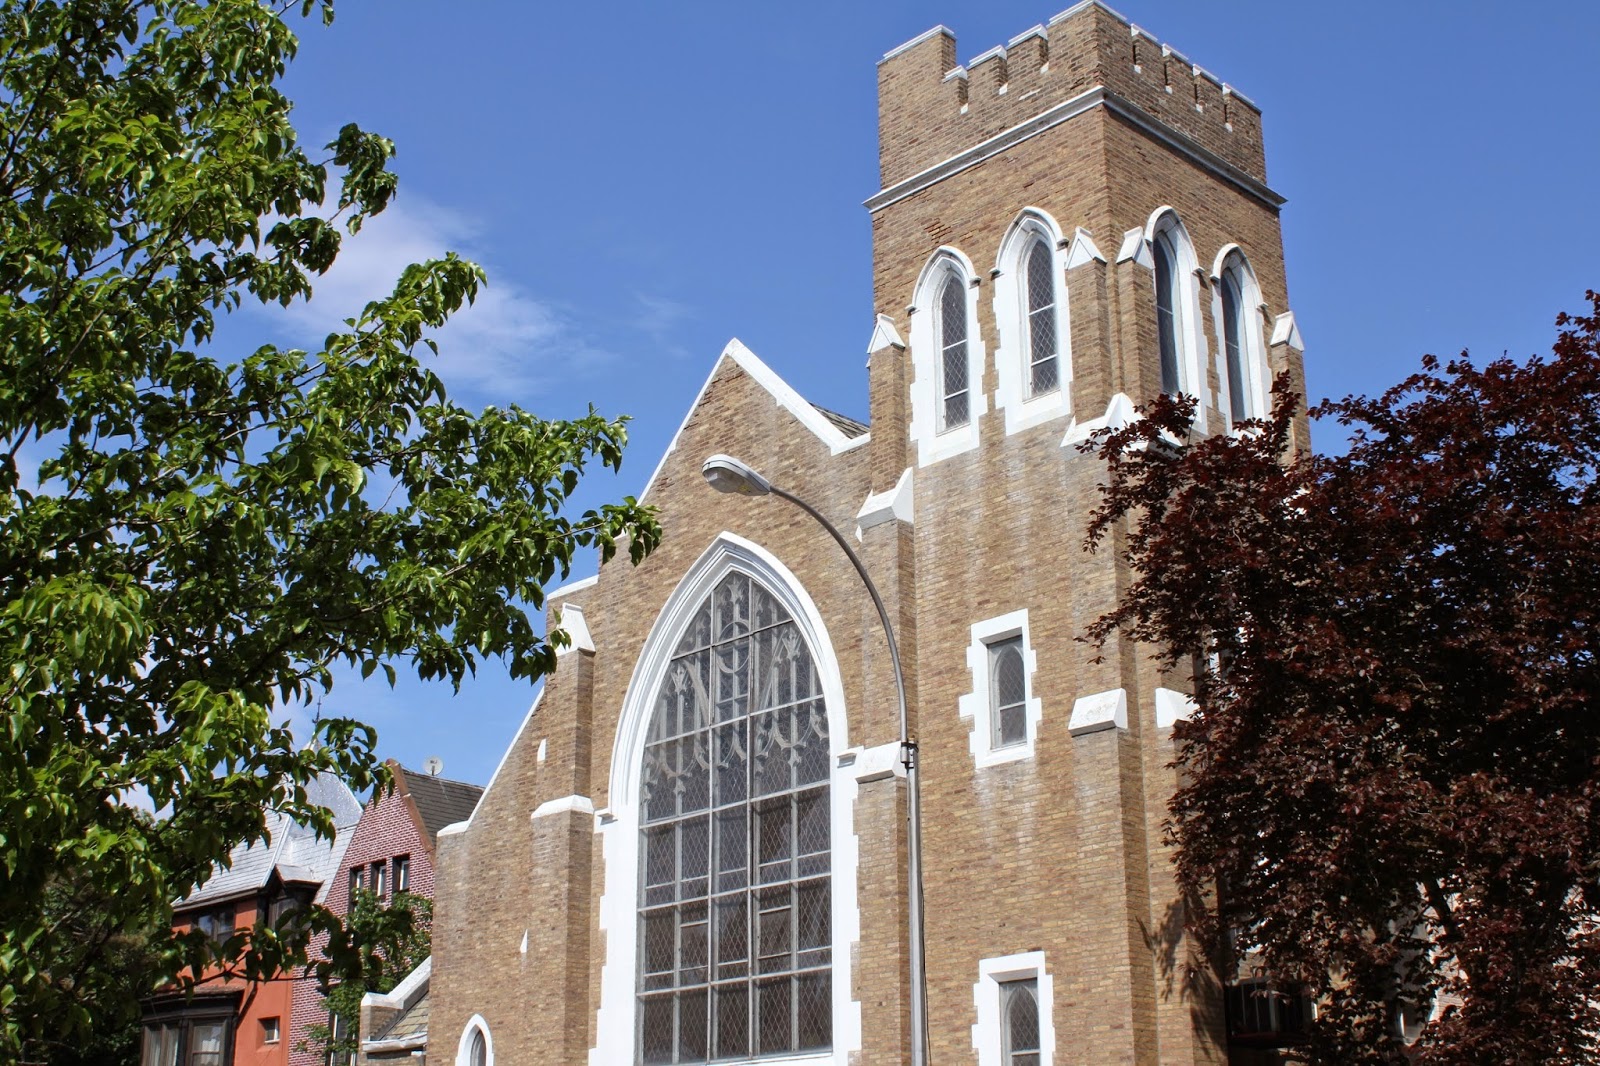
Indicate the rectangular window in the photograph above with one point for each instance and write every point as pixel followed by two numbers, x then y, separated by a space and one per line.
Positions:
pixel 355 882
pixel 377 879
pixel 402 873
pixel 337 1056
pixel 1008 693
pixel 270 1031
pixel 216 924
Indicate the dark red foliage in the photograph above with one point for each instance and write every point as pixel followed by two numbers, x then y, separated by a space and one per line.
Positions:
pixel 1392 782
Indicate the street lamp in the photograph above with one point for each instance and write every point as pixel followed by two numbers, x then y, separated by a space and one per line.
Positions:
pixel 727 474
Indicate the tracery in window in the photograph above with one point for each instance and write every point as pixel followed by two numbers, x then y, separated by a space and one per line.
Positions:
pixel 1044 373
pixel 955 408
pixel 1019 1022
pixel 735 909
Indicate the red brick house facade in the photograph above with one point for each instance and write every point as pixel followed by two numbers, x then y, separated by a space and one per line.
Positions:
pixel 694 849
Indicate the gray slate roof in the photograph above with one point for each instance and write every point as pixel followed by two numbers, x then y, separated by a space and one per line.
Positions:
pixel 844 423
pixel 440 801
pixel 291 850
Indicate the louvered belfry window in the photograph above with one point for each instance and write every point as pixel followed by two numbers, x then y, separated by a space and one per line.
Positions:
pixel 1044 374
pixel 956 406
pixel 735 916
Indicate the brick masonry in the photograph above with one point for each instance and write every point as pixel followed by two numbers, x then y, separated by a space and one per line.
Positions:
pixel 1059 853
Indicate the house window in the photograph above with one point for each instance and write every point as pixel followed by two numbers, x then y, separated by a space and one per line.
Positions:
pixel 1008 693
pixel 338 1033
pixel 377 879
pixel 270 1032
pixel 1044 374
pixel 735 916
pixel 355 883
pixel 186 1042
pixel 955 406
pixel 1001 706
pixel 1013 1001
pixel 402 873
pixel 1019 1022
pixel 216 924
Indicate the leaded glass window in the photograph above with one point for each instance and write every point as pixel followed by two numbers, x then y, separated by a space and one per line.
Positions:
pixel 1008 693
pixel 735 916
pixel 1044 374
pixel 955 400
pixel 1019 1022
pixel 1232 338
pixel 1166 312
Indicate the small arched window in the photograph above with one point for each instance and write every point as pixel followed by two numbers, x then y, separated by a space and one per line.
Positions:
pixel 1009 699
pixel 477 1049
pixel 955 399
pixel 1232 343
pixel 1044 343
pixel 1168 301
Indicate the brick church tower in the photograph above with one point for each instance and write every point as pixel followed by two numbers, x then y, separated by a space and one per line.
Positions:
pixel 695 848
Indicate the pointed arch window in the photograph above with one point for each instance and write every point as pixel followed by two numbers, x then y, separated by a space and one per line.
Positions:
pixel 1044 344
pixel 1233 345
pixel 1242 367
pixel 955 401
pixel 1168 300
pixel 735 916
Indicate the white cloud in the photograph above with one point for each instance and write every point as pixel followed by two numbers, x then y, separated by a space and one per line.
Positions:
pixel 659 317
pixel 506 346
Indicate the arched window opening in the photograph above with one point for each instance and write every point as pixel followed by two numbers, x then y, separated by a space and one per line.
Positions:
pixel 1020 1022
pixel 735 914
pixel 1167 302
pixel 1044 372
pixel 1233 345
pixel 477 1049
pixel 955 408
pixel 1010 696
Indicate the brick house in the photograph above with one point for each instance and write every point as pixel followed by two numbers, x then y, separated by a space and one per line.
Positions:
pixel 391 850
pixel 234 1021
pixel 695 848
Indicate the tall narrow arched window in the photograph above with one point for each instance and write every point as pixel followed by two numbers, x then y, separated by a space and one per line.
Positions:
pixel 1044 343
pixel 1242 367
pixel 1168 300
pixel 477 1050
pixel 955 401
pixel 735 914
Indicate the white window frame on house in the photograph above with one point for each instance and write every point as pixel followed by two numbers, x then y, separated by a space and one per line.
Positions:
pixel 935 440
pixel 271 1030
pixel 464 1047
pixel 619 825
pixel 977 706
pixel 989 1032
pixel 1166 229
pixel 1014 342
pixel 1255 378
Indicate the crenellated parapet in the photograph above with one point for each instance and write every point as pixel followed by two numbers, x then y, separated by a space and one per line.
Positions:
pixel 930 107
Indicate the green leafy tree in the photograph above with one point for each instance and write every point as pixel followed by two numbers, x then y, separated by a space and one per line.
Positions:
pixel 1391 784
pixel 191 537
pixel 391 940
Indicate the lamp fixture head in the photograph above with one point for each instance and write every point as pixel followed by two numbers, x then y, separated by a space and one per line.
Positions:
pixel 727 474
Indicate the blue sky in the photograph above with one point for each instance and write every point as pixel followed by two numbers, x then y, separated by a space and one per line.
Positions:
pixel 645 181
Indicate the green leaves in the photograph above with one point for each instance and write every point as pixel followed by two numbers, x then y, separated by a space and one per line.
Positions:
pixel 192 539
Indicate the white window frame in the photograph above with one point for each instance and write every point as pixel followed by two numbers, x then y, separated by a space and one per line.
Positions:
pixel 464 1045
pixel 617 826
pixel 988 1033
pixel 977 706
pixel 1013 355
pixel 1187 328
pixel 934 441
pixel 1252 339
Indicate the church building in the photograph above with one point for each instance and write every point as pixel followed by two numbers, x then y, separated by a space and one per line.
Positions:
pixel 696 848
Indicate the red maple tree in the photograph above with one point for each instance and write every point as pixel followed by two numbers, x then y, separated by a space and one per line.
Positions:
pixel 1391 785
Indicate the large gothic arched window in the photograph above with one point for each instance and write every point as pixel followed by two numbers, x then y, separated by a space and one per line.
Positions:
pixel 735 915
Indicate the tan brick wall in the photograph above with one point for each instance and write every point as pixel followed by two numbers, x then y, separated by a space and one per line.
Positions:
pixel 1059 853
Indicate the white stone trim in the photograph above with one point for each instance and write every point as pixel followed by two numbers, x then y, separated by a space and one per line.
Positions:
pixel 783 395
pixel 1190 330
pixel 1286 330
pixel 456 828
pixel 1119 413
pixel 572 586
pixel 876 763
pixel 895 504
pixel 1103 710
pixel 1172 707
pixel 884 335
pixel 1098 96
pixel 933 443
pixel 580 804
pixel 986 1031
pixel 918 39
pixel 1135 249
pixel 406 992
pixel 1083 250
pixel 617 825
pixel 975 705
pixel 476 1022
pixel 570 620
pixel 1012 355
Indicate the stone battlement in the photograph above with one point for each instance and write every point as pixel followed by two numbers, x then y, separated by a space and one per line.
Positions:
pixel 930 107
